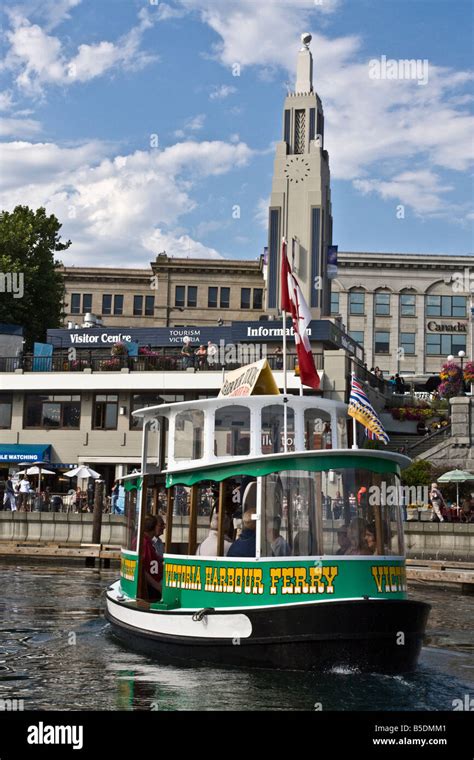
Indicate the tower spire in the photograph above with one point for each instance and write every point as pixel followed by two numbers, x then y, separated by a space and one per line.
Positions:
pixel 304 69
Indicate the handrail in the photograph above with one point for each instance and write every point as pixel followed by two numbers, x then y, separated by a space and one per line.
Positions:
pixel 158 363
pixel 441 431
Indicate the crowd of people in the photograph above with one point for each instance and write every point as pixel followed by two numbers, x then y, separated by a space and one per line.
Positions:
pixel 200 358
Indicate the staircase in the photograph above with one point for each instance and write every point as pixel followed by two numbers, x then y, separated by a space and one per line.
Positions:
pixel 398 440
pixel 428 441
pixel 415 445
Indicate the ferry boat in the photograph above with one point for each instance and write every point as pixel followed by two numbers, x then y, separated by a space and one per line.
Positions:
pixel 317 578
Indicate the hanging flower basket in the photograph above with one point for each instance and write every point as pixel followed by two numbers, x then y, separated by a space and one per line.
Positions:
pixel 469 372
pixel 119 349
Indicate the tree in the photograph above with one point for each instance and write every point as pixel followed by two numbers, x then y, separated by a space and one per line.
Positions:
pixel 418 473
pixel 31 284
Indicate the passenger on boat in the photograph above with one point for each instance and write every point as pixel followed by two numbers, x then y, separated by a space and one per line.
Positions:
pixel 343 541
pixel 208 548
pixel 152 566
pixel 158 544
pixel 370 539
pixel 280 548
pixel 245 546
pixel 356 537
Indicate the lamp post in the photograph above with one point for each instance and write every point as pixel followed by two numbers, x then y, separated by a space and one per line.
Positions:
pixel 461 355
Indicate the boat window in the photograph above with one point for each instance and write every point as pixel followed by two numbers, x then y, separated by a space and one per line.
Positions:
pixel 232 431
pixel 361 513
pixel 317 429
pixel 273 426
pixel 188 442
pixel 132 506
pixel 290 506
pixel 336 512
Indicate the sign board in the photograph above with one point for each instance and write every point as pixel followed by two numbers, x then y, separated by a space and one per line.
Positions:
pixel 250 380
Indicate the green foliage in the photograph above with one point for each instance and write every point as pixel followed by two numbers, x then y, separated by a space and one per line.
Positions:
pixel 419 473
pixel 28 241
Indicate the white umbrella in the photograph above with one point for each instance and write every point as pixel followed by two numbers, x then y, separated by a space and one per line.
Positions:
pixel 456 476
pixel 35 470
pixel 82 472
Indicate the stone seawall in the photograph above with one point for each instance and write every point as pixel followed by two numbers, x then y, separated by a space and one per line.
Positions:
pixel 423 540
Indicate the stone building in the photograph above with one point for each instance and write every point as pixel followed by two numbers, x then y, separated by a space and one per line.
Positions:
pixel 172 292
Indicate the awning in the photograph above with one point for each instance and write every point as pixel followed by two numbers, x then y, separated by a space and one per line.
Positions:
pixel 266 465
pixel 19 452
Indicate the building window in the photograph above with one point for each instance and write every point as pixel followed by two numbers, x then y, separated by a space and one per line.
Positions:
pixel 106 304
pixel 356 303
pixel 258 298
pixel 443 345
pixel 407 305
pixel 179 295
pixel 245 298
pixel 52 411
pixel 286 135
pixel 407 342
pixel 382 342
pixel 358 336
pixel 225 298
pixel 118 305
pixel 312 123
pixel 105 411
pixel 149 306
pixel 382 304
pixel 212 298
pixel 6 401
pixel 75 303
pixel 334 302
pixel 192 295
pixel 137 306
pixel 446 306
pixel 86 303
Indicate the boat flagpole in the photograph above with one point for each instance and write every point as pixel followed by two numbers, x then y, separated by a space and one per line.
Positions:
pixel 285 368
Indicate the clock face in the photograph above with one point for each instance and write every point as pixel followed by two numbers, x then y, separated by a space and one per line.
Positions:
pixel 297 169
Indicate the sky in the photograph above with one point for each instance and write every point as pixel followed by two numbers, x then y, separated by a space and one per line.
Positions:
pixel 151 126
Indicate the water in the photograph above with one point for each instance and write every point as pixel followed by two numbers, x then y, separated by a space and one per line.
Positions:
pixel 56 652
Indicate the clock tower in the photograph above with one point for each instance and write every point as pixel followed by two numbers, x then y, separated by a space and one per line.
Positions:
pixel 300 204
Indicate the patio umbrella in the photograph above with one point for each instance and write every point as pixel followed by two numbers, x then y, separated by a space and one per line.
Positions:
pixel 456 476
pixel 38 469
pixel 83 472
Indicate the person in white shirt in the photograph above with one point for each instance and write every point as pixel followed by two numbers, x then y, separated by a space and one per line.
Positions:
pixel 211 353
pixel 24 490
pixel 208 548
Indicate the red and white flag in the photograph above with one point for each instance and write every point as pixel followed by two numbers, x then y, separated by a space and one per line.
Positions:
pixel 292 300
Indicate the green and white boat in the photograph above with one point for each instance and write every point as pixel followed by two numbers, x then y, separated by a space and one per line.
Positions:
pixel 326 583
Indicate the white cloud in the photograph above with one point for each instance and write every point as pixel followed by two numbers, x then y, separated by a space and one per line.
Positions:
pixel 37 58
pixel 261 212
pixel 19 127
pixel 116 209
pixel 193 124
pixel 165 12
pixel 6 100
pixel 222 91
pixel 422 190
pixel 181 246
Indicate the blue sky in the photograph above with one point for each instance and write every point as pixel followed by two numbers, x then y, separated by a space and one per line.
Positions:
pixel 123 117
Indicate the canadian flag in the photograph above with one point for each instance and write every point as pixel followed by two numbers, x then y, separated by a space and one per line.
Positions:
pixel 292 300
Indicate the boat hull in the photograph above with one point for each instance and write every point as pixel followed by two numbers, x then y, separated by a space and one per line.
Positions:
pixel 371 635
